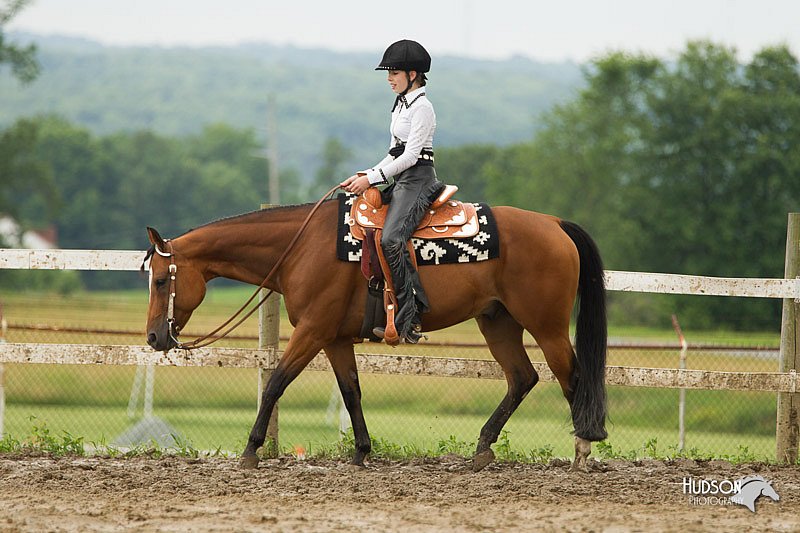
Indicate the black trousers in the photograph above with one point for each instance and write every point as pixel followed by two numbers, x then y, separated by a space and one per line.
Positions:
pixel 409 198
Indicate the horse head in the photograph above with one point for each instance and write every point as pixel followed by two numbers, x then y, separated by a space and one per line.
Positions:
pixel 769 491
pixel 177 287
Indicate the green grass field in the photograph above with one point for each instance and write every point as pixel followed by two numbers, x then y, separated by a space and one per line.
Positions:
pixel 215 408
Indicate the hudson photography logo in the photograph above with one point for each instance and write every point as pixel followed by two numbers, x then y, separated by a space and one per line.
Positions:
pixel 744 491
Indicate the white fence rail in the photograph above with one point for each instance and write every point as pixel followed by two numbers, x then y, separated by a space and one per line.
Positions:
pixel 616 280
pixel 406 365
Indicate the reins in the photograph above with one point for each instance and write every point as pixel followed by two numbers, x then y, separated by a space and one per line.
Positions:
pixel 212 337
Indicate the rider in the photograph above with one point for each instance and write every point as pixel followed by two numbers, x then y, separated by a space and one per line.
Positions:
pixel 410 163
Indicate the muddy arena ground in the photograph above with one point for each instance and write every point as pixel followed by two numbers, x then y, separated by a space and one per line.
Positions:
pixel 178 494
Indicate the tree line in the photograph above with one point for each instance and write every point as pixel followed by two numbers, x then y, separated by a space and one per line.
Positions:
pixel 177 91
pixel 688 166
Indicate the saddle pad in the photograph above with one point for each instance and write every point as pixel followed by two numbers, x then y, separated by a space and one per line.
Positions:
pixel 483 246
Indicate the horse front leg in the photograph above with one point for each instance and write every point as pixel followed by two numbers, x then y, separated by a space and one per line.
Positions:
pixel 300 350
pixel 343 360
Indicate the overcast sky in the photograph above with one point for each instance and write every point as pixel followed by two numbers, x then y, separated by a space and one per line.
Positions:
pixel 550 30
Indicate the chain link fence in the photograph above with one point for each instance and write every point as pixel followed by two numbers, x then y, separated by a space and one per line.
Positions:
pixel 214 408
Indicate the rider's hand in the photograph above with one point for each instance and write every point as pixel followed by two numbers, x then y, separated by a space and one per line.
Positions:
pixel 356 184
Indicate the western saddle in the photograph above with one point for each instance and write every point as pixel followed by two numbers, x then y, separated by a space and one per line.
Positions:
pixel 446 219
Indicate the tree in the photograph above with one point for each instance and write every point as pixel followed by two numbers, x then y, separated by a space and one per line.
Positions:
pixel 583 155
pixel 28 191
pixel 22 60
pixel 332 170
pixel 687 167
pixel 468 167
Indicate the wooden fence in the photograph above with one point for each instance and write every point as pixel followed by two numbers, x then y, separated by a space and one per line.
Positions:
pixel 785 381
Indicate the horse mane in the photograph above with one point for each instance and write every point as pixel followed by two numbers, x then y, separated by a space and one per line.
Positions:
pixel 233 219
pixel 243 217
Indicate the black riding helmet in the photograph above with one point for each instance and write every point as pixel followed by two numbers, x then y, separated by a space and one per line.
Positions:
pixel 405 55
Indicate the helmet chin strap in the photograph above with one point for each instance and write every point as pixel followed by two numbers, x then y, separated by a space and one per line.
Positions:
pixel 408 85
pixel 405 91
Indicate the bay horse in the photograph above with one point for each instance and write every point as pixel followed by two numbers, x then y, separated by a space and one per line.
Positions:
pixel 545 263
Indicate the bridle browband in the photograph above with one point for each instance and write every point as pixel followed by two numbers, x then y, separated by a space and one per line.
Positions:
pixel 212 337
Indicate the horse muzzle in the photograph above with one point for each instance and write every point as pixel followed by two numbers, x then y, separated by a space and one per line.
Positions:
pixel 161 339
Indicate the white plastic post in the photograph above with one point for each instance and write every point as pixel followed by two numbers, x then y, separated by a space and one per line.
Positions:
pixel 149 385
pixel 682 393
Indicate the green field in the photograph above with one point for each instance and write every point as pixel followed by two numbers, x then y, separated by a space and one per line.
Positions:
pixel 214 408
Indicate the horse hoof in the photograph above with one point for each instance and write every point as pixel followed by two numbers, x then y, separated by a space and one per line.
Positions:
pixel 482 460
pixel 249 462
pixel 579 466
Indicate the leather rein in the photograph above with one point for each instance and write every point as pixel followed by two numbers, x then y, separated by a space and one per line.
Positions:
pixel 212 337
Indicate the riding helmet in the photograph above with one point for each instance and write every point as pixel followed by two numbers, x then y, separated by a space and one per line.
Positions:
pixel 405 55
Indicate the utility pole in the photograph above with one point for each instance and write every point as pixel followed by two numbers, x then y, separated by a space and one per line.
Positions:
pixel 272 153
pixel 269 313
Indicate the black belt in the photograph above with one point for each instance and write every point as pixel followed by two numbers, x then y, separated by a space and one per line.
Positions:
pixel 425 158
pixel 425 155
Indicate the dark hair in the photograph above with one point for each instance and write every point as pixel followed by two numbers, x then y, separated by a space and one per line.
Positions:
pixel 421 78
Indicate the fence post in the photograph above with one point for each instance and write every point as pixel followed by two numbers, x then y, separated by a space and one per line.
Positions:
pixel 788 424
pixel 269 337
pixel 3 327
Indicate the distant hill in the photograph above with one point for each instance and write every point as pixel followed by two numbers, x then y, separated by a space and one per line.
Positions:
pixel 318 93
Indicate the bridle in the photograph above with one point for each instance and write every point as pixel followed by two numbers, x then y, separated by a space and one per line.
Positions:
pixel 174 330
pixel 212 337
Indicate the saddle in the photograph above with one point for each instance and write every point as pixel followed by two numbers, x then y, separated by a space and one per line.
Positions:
pixel 446 218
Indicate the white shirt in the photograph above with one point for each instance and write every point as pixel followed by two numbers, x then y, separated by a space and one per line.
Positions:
pixel 413 122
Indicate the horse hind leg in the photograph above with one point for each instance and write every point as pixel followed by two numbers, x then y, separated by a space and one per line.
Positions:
pixel 583 448
pixel 504 337
pixel 560 357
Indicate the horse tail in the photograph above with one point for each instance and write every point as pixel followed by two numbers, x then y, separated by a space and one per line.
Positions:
pixel 587 382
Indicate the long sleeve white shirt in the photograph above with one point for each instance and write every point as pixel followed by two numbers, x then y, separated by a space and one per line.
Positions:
pixel 413 122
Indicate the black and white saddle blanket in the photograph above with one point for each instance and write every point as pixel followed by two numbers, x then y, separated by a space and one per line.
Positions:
pixel 483 246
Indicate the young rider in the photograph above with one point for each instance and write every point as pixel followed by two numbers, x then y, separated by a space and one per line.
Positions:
pixel 410 164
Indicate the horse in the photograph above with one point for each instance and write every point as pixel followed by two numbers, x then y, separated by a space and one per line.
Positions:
pixel 545 265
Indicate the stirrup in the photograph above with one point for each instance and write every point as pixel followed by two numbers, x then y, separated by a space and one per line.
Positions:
pixel 412 337
pixel 380 332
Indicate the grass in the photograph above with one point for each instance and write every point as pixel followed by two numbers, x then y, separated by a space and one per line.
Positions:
pixel 213 409
pixel 40 439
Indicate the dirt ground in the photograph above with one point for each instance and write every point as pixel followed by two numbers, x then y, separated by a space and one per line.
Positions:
pixel 178 494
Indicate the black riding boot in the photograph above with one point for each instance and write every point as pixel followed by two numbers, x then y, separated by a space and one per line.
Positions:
pixel 410 199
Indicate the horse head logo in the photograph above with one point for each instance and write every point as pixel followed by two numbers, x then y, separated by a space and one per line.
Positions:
pixel 752 488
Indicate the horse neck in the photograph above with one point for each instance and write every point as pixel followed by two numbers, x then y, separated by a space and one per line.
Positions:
pixel 247 247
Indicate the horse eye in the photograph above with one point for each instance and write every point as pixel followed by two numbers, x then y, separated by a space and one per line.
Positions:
pixel 161 282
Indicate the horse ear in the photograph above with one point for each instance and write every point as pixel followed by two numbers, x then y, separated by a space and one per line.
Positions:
pixel 156 239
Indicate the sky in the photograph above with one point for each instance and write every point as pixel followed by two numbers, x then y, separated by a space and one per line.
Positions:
pixel 554 30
